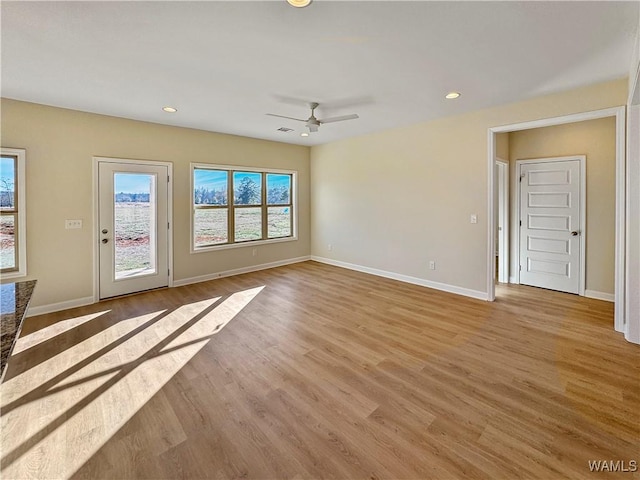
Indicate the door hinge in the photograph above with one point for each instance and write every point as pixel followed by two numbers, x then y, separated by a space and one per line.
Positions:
pixel 167 178
pixel 520 267
pixel 168 272
pixel 521 177
pixel 520 222
pixel 168 227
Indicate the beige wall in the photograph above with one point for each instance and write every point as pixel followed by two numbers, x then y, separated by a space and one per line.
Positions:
pixel 597 140
pixel 502 146
pixel 396 199
pixel 60 145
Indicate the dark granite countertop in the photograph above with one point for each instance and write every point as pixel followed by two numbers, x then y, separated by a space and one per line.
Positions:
pixel 14 300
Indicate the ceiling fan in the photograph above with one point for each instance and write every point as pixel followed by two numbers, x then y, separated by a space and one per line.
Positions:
pixel 314 123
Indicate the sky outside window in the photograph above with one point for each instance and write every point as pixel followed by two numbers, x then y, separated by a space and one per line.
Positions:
pixel 210 179
pixel 7 172
pixel 132 183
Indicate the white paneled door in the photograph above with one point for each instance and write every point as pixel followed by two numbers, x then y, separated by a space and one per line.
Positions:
pixel 133 227
pixel 551 226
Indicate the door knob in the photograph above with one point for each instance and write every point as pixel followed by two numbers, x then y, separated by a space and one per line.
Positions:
pixel 575 233
pixel 105 231
pixel 105 240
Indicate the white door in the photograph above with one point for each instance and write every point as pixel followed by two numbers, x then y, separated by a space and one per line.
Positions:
pixel 550 224
pixel 133 227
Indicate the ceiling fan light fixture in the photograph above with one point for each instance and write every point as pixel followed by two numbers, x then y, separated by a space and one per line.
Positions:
pixel 304 134
pixel 299 3
pixel 170 109
pixel 452 95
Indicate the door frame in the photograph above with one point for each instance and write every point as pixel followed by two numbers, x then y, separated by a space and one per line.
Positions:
pixel 503 254
pixel 583 210
pixel 96 207
pixel 620 193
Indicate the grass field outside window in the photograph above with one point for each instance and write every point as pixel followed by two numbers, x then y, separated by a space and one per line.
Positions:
pixel 241 205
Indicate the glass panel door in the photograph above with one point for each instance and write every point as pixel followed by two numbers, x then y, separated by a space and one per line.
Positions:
pixel 132 227
pixel 134 224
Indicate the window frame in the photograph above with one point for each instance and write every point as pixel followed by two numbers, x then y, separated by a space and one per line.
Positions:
pixel 231 207
pixel 19 212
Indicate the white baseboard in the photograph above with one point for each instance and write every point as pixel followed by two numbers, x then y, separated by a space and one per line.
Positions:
pixel 238 271
pixel 81 302
pixel 56 307
pixel 609 297
pixel 405 278
pixel 512 279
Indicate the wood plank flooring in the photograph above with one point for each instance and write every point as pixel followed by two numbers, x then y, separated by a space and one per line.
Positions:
pixel 312 371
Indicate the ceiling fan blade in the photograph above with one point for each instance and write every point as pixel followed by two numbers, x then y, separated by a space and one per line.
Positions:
pixel 289 118
pixel 312 127
pixel 348 102
pixel 298 102
pixel 339 103
pixel 353 116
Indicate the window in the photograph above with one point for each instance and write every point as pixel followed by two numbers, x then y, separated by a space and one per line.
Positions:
pixel 13 262
pixel 233 206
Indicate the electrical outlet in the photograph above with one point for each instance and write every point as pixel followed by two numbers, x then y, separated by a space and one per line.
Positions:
pixel 70 224
pixel 254 252
pixel 474 218
pixel 432 265
pixel 329 247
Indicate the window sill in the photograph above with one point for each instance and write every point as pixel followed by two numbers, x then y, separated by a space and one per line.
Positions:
pixel 13 275
pixel 250 243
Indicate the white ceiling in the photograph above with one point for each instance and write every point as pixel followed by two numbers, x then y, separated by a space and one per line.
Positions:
pixel 224 65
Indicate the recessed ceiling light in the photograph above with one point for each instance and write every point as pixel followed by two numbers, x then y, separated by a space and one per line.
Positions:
pixel 170 109
pixel 452 95
pixel 304 134
pixel 299 3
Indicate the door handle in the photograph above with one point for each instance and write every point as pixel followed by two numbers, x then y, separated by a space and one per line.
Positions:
pixel 575 233
pixel 105 240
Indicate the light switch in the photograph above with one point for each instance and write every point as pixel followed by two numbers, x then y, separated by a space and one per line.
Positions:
pixel 474 218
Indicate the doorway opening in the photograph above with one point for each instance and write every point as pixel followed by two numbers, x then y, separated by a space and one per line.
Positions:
pixel 618 114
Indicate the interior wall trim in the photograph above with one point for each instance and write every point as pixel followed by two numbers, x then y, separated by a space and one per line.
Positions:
pixel 404 278
pixel 239 271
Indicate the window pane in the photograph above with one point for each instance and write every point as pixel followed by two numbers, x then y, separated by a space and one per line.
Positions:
pixel 210 187
pixel 248 223
pixel 134 218
pixel 8 241
pixel 279 222
pixel 210 226
pixel 278 189
pixel 247 188
pixel 7 183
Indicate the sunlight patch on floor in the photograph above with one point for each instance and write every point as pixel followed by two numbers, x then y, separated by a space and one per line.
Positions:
pixel 32 339
pixel 67 363
pixel 56 415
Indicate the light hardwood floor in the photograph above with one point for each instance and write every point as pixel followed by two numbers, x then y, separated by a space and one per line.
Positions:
pixel 312 371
